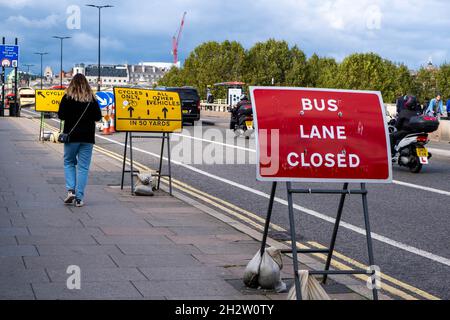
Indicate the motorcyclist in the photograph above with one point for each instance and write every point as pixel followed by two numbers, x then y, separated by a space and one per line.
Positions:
pixel 409 110
pixel 235 110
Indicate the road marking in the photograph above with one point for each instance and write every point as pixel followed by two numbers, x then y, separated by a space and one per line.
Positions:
pixel 410 185
pixel 216 142
pixel 383 239
pixel 340 266
pixel 384 276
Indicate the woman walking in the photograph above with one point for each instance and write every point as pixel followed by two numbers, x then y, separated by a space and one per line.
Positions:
pixel 79 109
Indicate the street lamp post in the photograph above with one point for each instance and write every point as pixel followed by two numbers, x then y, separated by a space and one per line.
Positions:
pixel 28 72
pixel 41 54
pixel 99 17
pixel 61 72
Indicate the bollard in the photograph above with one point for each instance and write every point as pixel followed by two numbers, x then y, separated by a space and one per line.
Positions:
pixel 112 126
pixel 105 129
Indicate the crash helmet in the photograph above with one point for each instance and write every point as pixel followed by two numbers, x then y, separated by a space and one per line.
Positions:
pixel 410 102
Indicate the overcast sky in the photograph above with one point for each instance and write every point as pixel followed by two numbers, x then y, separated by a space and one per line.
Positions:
pixel 137 30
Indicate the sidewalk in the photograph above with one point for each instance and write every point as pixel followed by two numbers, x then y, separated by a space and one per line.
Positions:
pixel 127 247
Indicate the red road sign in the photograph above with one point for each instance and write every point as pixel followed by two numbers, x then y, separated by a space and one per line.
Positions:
pixel 321 135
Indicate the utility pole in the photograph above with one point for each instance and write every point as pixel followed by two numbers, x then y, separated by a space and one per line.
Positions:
pixel 41 54
pixel 99 39
pixel 2 102
pixel 61 71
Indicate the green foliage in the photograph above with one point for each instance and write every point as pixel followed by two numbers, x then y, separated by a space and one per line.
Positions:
pixel 274 62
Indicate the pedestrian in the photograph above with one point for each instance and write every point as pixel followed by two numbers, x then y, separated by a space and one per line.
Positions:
pixel 80 110
pixel 448 109
pixel 436 108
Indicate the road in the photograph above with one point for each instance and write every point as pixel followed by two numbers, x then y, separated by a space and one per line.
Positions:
pixel 409 218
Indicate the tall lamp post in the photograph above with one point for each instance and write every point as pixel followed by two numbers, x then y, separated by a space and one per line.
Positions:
pixel 99 17
pixel 41 54
pixel 28 72
pixel 61 72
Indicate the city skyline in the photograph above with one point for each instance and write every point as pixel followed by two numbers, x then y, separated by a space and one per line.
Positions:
pixel 329 28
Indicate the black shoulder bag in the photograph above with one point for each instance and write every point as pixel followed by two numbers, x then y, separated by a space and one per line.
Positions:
pixel 65 137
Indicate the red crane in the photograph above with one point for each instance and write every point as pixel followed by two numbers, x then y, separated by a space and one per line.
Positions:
pixel 176 40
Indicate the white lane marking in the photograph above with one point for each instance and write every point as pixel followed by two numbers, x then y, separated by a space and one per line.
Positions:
pixel 440 152
pixel 316 214
pixel 415 186
pixel 215 142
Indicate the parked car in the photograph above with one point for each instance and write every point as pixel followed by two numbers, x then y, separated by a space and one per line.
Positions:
pixel 190 102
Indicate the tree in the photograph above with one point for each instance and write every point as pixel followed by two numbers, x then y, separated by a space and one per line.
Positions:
pixel 322 72
pixel 297 75
pixel 426 84
pixel 443 80
pixel 269 60
pixel 210 63
pixel 369 72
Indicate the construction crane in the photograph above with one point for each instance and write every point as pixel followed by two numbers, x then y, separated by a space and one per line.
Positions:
pixel 176 40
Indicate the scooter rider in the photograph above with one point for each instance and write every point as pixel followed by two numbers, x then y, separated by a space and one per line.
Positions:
pixel 234 111
pixel 402 125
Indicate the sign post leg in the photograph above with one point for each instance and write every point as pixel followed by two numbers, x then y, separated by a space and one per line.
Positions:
pixel 124 160
pixel 268 218
pixel 169 160
pixel 369 237
pixel 41 127
pixel 131 163
pixel 335 232
pixel 161 159
pixel 293 241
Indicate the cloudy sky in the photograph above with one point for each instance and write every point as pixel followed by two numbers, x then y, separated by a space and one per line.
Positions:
pixel 408 31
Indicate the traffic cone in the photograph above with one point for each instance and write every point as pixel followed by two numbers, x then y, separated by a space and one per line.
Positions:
pixel 112 126
pixel 105 129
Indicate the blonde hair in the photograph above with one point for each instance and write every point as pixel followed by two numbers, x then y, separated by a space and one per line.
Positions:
pixel 79 89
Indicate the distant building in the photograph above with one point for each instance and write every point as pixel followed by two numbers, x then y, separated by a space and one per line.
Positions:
pixel 110 75
pixel 144 74
pixel 430 66
pixel 48 73
pixel 148 73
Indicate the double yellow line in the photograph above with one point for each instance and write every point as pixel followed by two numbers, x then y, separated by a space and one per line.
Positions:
pixel 340 262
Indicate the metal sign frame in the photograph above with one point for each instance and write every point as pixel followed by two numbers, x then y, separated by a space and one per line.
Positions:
pixel 129 138
pixel 329 251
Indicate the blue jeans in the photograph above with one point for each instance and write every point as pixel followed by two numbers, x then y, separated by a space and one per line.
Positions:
pixel 77 159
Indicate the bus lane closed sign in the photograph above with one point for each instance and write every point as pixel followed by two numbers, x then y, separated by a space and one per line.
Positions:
pixel 321 135
pixel 145 110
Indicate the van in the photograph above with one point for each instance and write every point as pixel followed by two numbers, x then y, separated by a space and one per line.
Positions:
pixel 190 102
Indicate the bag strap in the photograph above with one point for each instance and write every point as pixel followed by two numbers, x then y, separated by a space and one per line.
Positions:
pixel 79 119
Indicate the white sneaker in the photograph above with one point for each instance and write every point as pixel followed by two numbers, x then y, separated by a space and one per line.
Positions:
pixel 70 197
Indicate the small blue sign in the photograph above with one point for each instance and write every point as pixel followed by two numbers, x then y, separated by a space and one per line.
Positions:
pixel 111 97
pixel 9 55
pixel 105 98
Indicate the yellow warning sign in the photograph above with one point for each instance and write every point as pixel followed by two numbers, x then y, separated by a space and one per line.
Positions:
pixel 48 100
pixel 145 110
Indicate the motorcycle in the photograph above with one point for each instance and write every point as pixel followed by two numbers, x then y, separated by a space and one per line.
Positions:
pixel 411 150
pixel 241 121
